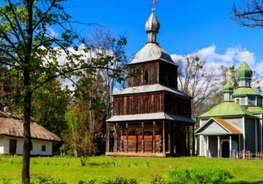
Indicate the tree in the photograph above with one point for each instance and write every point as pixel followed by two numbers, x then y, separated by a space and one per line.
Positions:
pixel 77 135
pixel 196 80
pixel 29 50
pixel 250 14
pixel 105 47
pixel 49 104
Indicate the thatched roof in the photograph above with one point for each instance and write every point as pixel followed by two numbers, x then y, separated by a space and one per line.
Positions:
pixel 12 126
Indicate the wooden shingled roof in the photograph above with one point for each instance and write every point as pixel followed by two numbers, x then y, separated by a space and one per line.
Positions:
pixel 12 126
pixel 228 126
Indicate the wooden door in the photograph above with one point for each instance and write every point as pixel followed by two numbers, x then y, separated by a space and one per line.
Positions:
pixel 12 146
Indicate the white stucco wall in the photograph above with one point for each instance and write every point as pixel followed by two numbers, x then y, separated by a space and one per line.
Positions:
pixel 4 144
pixel 202 146
pixel 37 146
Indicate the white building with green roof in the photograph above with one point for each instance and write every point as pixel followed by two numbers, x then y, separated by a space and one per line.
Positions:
pixel 235 124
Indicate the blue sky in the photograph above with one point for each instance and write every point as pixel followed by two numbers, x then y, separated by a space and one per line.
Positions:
pixel 187 26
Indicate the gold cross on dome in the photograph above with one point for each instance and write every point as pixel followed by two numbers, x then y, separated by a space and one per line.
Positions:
pixel 245 53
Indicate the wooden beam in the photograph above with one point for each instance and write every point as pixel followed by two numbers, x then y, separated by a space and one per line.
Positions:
pixel 107 137
pixel 154 141
pixel 163 137
pixel 193 140
pixel 169 137
pixel 142 137
pixel 115 138
pixel 127 132
pixel 218 146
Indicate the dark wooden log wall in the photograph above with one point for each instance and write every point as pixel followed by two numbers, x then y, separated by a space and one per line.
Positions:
pixel 168 75
pixel 138 104
pixel 153 72
pixel 151 69
pixel 177 105
pixel 152 103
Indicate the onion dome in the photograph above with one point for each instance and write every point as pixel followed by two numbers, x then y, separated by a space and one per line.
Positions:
pixel 228 87
pixel 244 72
pixel 152 51
pixel 152 27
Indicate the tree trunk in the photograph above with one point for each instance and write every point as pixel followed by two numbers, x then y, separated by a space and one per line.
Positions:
pixel 27 147
pixel 28 95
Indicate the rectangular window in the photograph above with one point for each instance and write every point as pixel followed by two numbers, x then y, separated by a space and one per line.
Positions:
pixel 43 148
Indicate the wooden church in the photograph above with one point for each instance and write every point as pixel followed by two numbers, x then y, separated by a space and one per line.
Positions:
pixel 152 118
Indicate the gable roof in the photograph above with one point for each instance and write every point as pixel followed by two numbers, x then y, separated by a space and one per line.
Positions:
pixel 226 108
pixel 150 88
pixel 11 126
pixel 217 126
pixel 150 116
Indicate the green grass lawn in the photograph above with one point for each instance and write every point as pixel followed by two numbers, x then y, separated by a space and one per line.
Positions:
pixel 144 170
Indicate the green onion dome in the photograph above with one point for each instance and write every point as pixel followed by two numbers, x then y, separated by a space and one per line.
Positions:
pixel 228 87
pixel 244 72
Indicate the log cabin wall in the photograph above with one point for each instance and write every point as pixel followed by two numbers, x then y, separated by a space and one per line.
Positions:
pixel 144 74
pixel 154 72
pixel 140 139
pixel 177 105
pixel 168 75
pixel 171 138
pixel 139 103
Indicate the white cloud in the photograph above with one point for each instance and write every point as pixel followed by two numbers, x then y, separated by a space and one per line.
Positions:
pixel 52 32
pixel 232 56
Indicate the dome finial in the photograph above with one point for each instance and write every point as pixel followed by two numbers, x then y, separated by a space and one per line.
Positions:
pixel 153 2
pixel 244 54
pixel 152 25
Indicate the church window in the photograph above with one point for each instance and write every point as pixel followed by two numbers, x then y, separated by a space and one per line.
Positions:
pixel 145 76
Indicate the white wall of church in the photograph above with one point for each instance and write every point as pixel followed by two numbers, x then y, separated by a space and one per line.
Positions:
pixel 202 146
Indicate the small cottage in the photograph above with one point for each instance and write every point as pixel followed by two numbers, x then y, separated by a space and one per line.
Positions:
pixel 152 117
pixel 235 125
pixel 11 137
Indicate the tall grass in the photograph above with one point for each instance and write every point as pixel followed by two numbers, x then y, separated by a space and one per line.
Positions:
pixel 144 170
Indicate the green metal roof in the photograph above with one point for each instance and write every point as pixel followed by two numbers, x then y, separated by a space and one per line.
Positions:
pixel 226 108
pixel 254 109
pixel 244 72
pixel 244 91
pixel 228 87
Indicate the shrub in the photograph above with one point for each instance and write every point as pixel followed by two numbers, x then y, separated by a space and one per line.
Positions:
pixel 199 176
pixel 158 180
pixel 120 181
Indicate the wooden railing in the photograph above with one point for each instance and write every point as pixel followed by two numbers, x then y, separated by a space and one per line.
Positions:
pixel 246 155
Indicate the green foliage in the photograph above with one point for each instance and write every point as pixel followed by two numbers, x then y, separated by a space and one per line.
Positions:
pixel 5 181
pixel 49 104
pixel 77 137
pixel 199 176
pixel 43 180
pixel 120 181
pixel 158 180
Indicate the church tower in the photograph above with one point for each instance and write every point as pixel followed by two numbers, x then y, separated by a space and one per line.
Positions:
pixel 151 116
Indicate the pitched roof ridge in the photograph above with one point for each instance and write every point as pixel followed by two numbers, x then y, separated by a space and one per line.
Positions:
pixel 226 125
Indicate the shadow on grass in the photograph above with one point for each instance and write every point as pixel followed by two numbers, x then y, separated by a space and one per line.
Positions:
pixel 246 182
